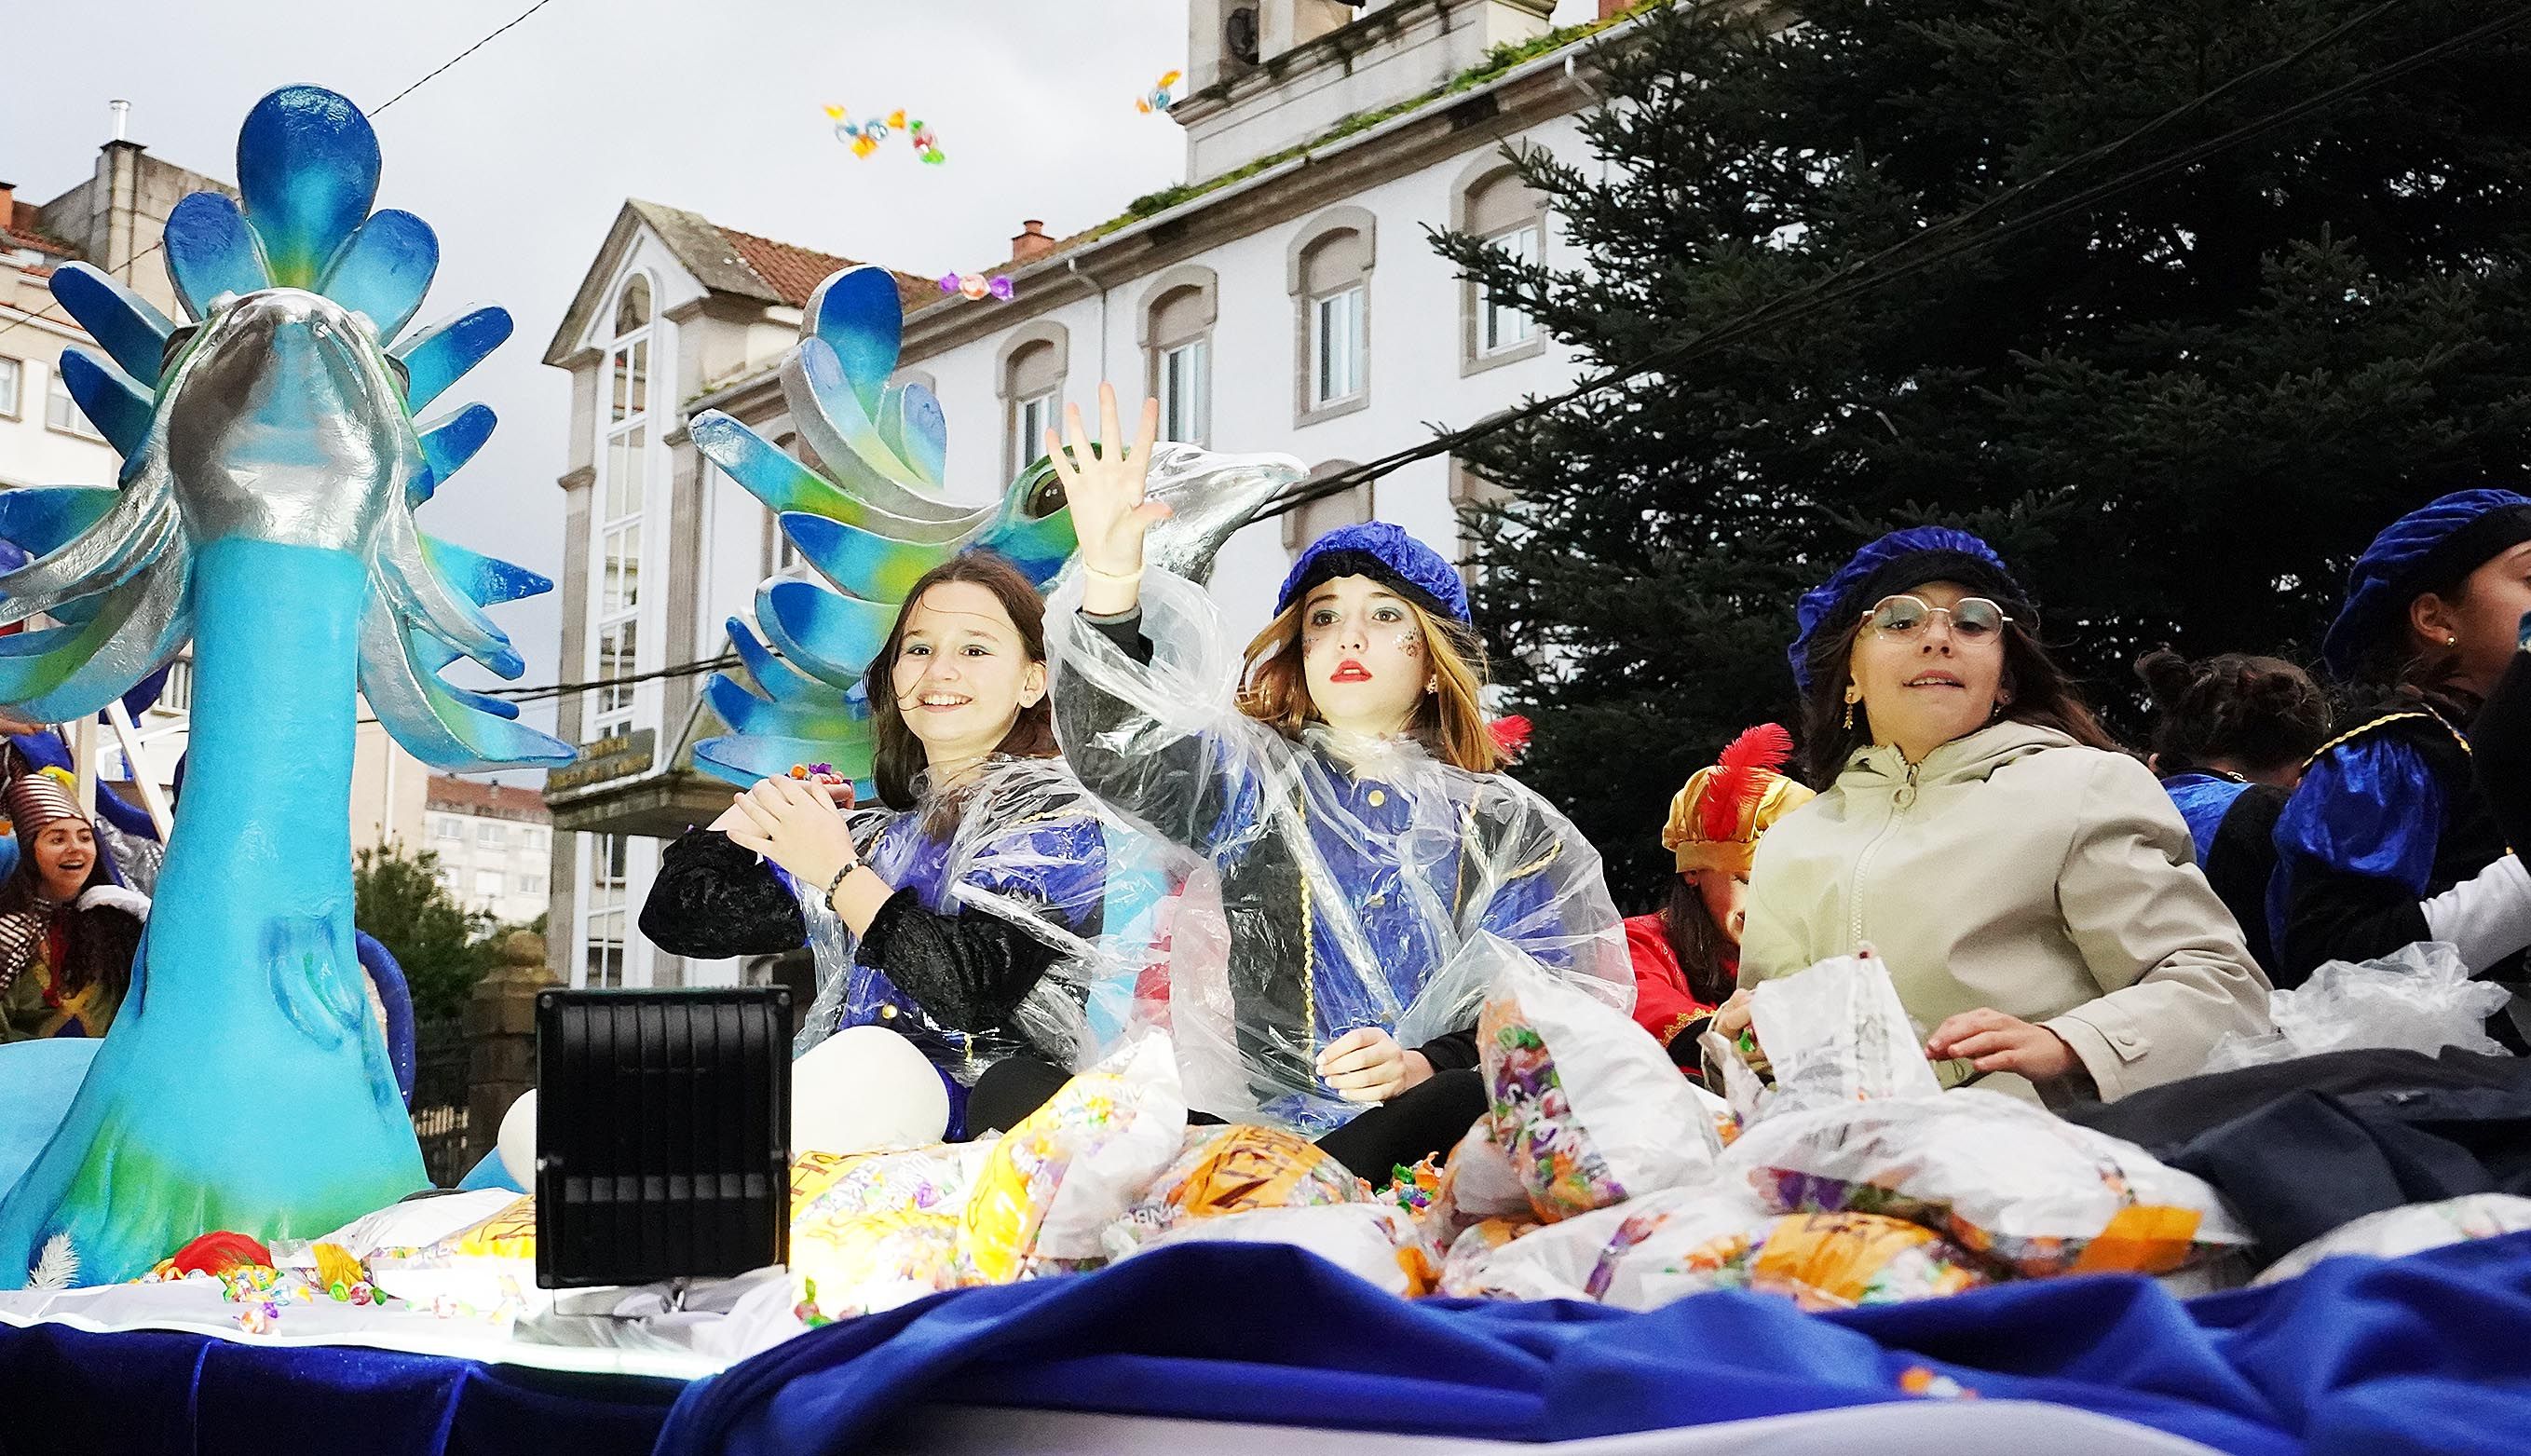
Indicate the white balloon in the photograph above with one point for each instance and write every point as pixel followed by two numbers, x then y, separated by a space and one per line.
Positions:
pixel 865 1089
pixel 517 1140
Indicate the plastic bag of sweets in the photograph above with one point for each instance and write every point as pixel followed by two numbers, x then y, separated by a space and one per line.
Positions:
pixel 867 1262
pixel 487 1268
pixel 1839 1260
pixel 1465 1269
pixel 1223 1170
pixel 917 1180
pixel 2410 1229
pixel 1478 1183
pixel 1376 1242
pixel 1049 1186
pixel 1674 1244
pixel 1587 1106
pixel 2025 1189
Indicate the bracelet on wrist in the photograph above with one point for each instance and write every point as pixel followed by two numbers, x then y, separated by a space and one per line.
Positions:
pixel 837 882
pixel 1132 578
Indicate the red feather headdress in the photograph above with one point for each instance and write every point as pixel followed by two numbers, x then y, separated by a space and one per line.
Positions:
pixel 1739 777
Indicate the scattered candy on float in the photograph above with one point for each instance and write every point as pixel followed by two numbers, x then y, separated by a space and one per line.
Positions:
pixel 806 1310
pixel 1918 1379
pixel 1159 97
pixel 976 287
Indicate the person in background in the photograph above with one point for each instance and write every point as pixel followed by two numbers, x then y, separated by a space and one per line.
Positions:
pixel 68 932
pixel 1687 953
pixel 2029 885
pixel 2389 839
pixel 2230 738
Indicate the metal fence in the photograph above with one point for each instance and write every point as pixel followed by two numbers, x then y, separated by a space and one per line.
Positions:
pixel 439 1098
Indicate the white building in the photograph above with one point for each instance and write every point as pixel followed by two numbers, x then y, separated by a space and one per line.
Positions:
pixel 1287 299
pixel 115 220
pixel 494 846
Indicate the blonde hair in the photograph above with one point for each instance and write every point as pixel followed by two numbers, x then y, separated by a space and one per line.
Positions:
pixel 1450 721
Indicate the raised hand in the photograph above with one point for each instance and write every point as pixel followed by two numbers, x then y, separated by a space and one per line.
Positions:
pixel 1109 514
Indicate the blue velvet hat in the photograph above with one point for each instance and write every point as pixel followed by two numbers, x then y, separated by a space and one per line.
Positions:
pixel 1895 562
pixel 1386 554
pixel 2428 548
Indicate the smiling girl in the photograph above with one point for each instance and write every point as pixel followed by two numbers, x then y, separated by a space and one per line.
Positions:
pixel 953 912
pixel 2029 885
pixel 68 932
pixel 1340 782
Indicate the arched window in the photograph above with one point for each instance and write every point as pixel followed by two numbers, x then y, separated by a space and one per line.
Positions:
pixel 1322 514
pixel 1330 280
pixel 1178 314
pixel 1032 388
pixel 1500 207
pixel 623 492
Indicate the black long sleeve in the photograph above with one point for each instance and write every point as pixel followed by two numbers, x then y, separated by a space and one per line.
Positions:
pixel 1451 1049
pixel 2500 743
pixel 714 898
pixel 968 971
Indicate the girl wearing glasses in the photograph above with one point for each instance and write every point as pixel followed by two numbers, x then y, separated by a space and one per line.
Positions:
pixel 2029 885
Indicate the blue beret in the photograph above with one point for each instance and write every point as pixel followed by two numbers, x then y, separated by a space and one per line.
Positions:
pixel 1385 554
pixel 1895 562
pixel 2429 547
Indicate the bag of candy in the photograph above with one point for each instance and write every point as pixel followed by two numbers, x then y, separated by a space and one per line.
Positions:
pixel 2023 1189
pixel 1049 1188
pixel 1587 1106
pixel 1221 1170
pixel 2411 1228
pixel 1839 1260
pixel 1375 1241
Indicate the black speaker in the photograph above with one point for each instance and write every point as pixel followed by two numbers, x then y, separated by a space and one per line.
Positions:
pixel 663 1134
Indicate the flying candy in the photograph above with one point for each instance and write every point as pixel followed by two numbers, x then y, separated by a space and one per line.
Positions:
pixel 975 286
pixel 866 136
pixel 1158 97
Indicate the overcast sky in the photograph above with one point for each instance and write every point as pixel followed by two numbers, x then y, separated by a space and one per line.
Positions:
pixel 521 155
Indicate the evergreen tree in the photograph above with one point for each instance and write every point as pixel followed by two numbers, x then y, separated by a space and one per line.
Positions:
pixel 442 949
pixel 2179 412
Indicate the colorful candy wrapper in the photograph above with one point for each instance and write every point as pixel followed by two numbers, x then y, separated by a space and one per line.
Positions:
pixel 1223 1170
pixel 1051 1186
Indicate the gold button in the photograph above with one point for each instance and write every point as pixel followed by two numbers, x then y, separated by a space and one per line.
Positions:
pixel 1377 798
pixel 888 1012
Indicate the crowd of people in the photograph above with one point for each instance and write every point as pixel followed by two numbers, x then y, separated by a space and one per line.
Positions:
pixel 2063 917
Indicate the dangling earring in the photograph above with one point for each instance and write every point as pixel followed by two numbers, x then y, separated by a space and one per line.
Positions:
pixel 1851 698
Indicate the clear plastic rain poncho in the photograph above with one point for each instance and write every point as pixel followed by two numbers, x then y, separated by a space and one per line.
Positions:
pixel 1330 886
pixel 1021 843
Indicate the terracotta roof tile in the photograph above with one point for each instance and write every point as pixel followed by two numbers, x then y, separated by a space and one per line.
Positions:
pixel 491 801
pixel 23 227
pixel 795 272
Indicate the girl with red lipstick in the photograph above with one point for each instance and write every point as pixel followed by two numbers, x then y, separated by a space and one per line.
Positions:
pixel 1338 781
pixel 2029 886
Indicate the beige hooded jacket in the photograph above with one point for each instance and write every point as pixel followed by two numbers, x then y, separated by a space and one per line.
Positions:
pixel 2018 870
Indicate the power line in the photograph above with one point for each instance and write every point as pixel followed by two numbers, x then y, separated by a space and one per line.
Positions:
pixel 47 310
pixel 1852 279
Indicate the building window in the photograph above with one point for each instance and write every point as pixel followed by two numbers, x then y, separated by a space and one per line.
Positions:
pixel 1500 207
pixel 623 492
pixel 1335 348
pixel 602 958
pixel 1472 495
pixel 446 826
pixel 1178 333
pixel 175 696
pixel 62 413
pixel 1322 514
pixel 489 885
pixel 487 832
pixel 1330 282
pixel 531 837
pixel 13 375
pixel 1032 390
pixel 531 885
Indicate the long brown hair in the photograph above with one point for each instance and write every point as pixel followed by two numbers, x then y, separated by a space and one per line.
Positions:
pixel 92 956
pixel 1449 722
pixel 2262 713
pixel 2043 695
pixel 896 754
pixel 1706 956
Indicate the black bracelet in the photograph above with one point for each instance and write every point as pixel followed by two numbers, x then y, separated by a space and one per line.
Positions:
pixel 837 882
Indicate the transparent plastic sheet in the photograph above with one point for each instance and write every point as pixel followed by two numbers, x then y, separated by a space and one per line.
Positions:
pixel 2417 998
pixel 1352 874
pixel 1027 844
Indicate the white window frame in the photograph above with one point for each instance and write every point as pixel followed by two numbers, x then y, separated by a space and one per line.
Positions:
pixel 1503 328
pixel 1032 415
pixel 14 370
pixel 605 949
pixel 1185 371
pixel 618 513
pixel 62 412
pixel 1353 302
